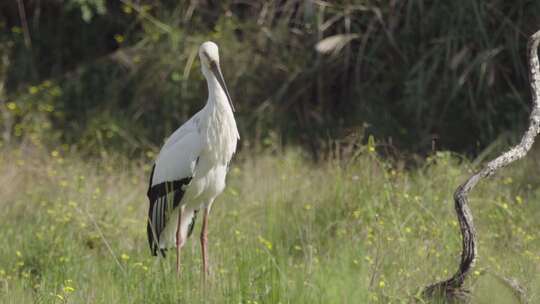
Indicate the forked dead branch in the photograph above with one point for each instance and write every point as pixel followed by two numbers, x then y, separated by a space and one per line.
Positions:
pixel 452 288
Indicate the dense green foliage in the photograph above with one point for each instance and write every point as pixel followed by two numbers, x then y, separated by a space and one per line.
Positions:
pixel 360 231
pixel 121 74
pixel 90 88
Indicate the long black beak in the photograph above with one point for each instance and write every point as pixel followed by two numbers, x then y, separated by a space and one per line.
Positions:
pixel 217 72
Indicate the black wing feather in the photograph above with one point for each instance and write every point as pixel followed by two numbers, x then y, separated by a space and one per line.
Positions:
pixel 160 196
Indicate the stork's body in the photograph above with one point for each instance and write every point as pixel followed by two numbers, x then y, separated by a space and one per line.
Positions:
pixel 190 170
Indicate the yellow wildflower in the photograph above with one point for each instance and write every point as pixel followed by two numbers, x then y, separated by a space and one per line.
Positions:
pixel 265 242
pixel 68 289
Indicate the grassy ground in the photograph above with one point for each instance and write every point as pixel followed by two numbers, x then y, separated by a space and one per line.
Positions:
pixel 284 231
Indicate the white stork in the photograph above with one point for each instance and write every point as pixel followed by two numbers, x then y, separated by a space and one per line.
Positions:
pixel 189 172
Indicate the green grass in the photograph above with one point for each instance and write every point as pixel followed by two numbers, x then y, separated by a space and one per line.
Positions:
pixel 284 231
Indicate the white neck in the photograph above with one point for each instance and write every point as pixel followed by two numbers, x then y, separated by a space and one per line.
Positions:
pixel 220 126
pixel 216 94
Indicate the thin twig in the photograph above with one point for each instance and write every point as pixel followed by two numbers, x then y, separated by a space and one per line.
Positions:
pixel 91 218
pixel 518 290
pixel 452 288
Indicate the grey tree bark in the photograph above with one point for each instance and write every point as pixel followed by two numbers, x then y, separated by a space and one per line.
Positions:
pixel 452 289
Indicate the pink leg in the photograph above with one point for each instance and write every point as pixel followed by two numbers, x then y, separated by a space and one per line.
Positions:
pixel 178 240
pixel 204 242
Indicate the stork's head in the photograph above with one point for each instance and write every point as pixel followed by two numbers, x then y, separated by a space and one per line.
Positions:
pixel 208 52
pixel 209 55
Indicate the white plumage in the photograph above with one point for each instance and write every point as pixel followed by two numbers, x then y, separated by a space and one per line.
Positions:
pixel 190 170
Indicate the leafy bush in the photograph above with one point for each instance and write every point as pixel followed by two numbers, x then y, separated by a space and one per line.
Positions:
pixel 406 70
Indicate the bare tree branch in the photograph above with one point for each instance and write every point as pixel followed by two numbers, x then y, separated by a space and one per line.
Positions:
pixel 452 288
pixel 24 23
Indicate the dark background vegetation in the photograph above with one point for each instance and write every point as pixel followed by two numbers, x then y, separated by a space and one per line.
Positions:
pixel 102 75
